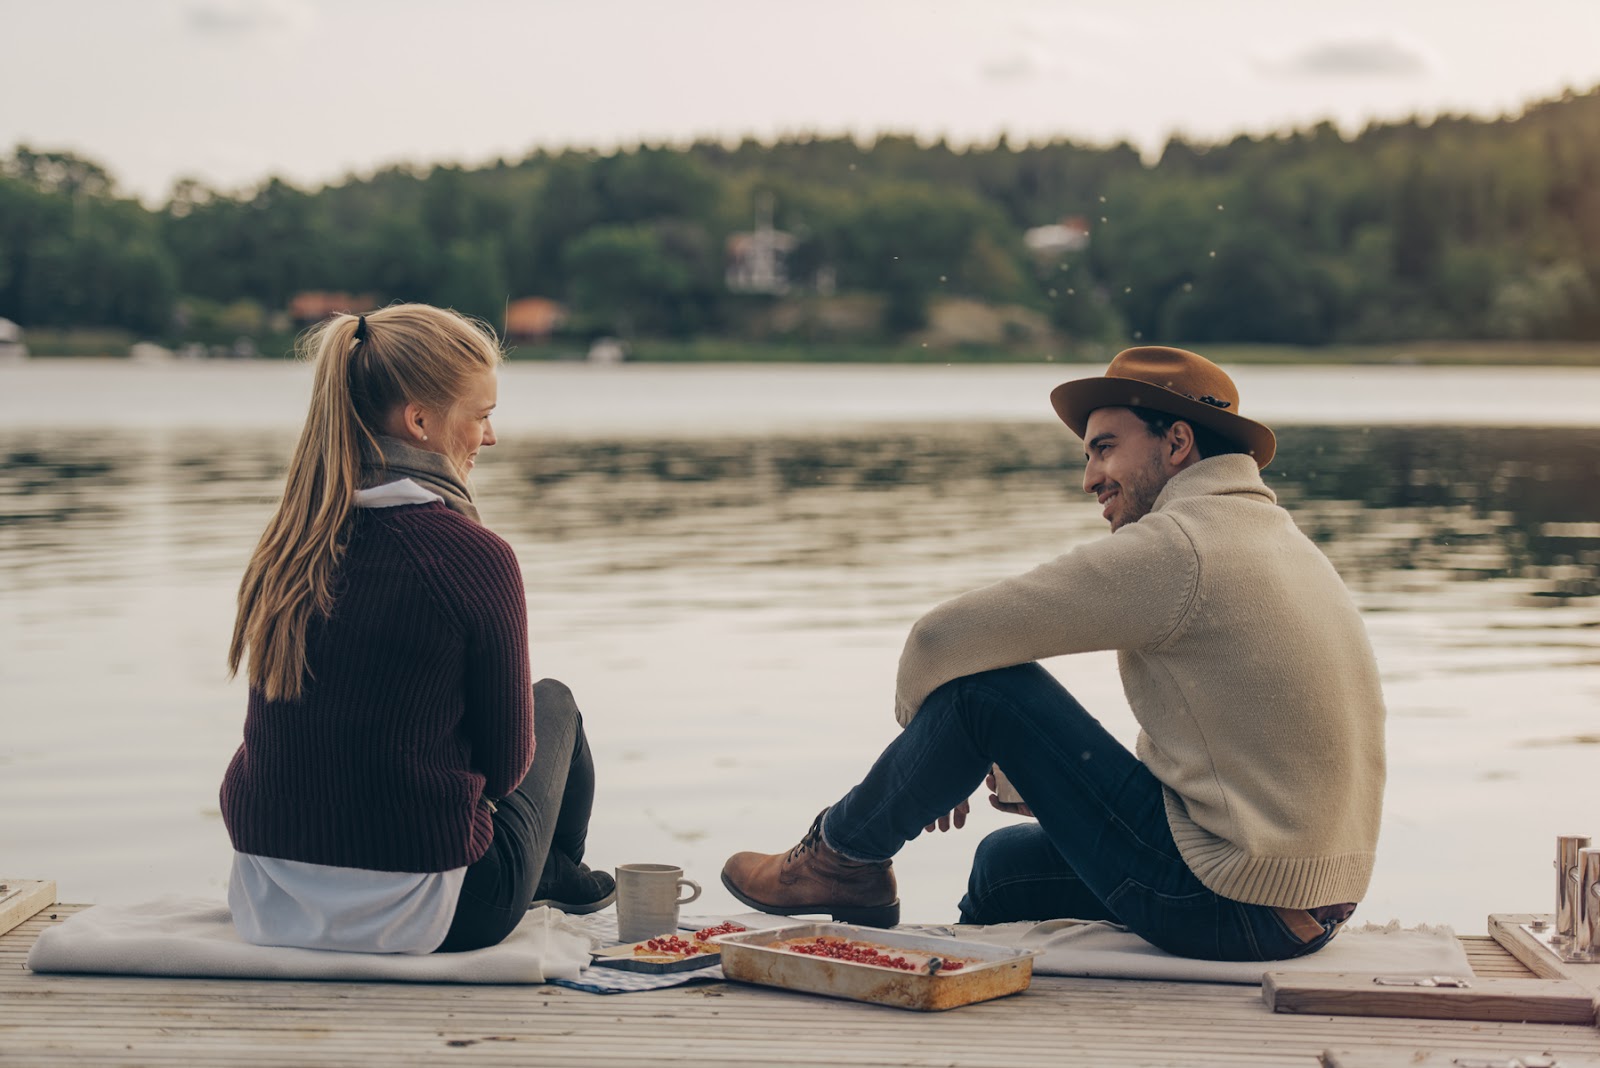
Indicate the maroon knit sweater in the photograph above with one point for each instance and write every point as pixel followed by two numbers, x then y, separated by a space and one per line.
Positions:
pixel 419 705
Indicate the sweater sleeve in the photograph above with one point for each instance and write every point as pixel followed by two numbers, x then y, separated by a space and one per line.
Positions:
pixel 498 718
pixel 1131 590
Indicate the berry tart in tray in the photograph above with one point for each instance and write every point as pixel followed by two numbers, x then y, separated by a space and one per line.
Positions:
pixel 668 952
pixel 906 969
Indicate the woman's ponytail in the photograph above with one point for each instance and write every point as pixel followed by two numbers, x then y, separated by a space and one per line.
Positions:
pixel 290 575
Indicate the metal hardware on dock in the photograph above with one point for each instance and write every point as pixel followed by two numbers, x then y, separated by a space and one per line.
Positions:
pixel 1422 980
pixel 1566 864
pixel 1566 952
pixel 1574 937
pixel 1586 934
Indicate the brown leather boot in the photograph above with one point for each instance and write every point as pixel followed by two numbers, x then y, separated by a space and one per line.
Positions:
pixel 813 878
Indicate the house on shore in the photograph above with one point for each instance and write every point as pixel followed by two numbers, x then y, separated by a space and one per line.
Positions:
pixel 534 319
pixel 757 260
pixel 314 305
pixel 1069 235
pixel 12 346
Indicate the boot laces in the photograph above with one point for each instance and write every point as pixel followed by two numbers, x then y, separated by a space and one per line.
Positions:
pixel 811 840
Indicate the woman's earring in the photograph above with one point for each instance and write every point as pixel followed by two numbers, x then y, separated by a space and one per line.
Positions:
pixel 424 437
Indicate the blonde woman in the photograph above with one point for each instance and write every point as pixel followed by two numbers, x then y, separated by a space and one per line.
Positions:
pixel 395 791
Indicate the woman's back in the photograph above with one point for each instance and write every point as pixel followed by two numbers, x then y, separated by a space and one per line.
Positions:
pixel 417 706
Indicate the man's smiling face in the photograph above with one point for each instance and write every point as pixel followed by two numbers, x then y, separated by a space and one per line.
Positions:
pixel 1126 465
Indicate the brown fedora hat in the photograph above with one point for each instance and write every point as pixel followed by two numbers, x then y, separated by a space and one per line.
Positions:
pixel 1169 380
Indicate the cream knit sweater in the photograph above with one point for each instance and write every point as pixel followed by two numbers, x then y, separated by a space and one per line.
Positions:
pixel 1244 661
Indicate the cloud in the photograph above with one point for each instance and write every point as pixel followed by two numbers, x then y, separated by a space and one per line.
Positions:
pixel 1013 67
pixel 1354 57
pixel 241 17
pixel 1045 41
pixel 1060 25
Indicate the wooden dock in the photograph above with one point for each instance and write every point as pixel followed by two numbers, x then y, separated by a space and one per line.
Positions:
pixel 93 1020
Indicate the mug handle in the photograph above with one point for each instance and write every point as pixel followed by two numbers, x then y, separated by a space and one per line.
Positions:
pixel 693 886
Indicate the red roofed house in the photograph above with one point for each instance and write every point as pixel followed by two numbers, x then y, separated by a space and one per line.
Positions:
pixel 315 305
pixel 534 318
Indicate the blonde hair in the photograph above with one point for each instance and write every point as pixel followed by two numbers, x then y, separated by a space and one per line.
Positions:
pixel 411 353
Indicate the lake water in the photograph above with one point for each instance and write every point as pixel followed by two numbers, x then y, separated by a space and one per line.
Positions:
pixel 723 561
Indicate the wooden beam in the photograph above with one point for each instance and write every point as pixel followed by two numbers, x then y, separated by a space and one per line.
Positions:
pixel 1357 994
pixel 21 899
pixel 1507 930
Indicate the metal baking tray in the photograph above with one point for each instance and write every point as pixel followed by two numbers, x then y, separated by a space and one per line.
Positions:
pixel 994 971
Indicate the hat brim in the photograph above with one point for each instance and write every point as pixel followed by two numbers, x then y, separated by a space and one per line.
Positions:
pixel 1073 401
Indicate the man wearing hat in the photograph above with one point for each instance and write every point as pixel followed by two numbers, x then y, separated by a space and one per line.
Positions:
pixel 1245 826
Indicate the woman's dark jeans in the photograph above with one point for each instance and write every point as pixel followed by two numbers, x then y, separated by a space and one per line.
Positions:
pixel 547 813
pixel 1101 848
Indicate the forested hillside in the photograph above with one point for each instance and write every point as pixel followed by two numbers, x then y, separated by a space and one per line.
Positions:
pixel 1457 228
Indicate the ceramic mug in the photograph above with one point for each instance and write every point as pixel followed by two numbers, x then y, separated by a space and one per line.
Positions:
pixel 647 900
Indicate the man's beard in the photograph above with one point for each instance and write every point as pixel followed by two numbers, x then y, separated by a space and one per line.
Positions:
pixel 1139 494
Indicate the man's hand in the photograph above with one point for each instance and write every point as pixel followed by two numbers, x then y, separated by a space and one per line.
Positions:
pixel 995 802
pixel 956 819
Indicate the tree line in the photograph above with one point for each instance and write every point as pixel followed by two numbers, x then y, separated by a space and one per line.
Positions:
pixel 1453 228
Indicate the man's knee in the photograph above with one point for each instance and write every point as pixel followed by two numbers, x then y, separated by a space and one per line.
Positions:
pixel 1019 690
pixel 996 846
pixel 1028 674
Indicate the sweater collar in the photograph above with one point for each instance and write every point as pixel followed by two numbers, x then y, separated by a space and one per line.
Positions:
pixel 1233 474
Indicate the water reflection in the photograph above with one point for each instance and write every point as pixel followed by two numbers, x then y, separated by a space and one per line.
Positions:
pixel 1517 504
pixel 113 507
pixel 1473 504
pixel 1396 509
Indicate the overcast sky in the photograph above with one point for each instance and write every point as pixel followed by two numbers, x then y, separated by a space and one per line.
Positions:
pixel 230 91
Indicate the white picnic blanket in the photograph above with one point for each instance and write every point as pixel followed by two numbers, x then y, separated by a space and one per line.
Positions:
pixel 1109 951
pixel 194 937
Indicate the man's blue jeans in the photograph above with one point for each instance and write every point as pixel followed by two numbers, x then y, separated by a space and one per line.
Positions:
pixel 1101 848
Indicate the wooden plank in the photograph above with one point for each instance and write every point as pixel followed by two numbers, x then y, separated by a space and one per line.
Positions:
pixel 48 1020
pixel 1490 960
pixel 21 899
pixel 1407 1057
pixel 1355 994
pixel 1507 930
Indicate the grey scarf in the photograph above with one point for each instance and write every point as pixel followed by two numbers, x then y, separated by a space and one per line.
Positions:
pixel 430 470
